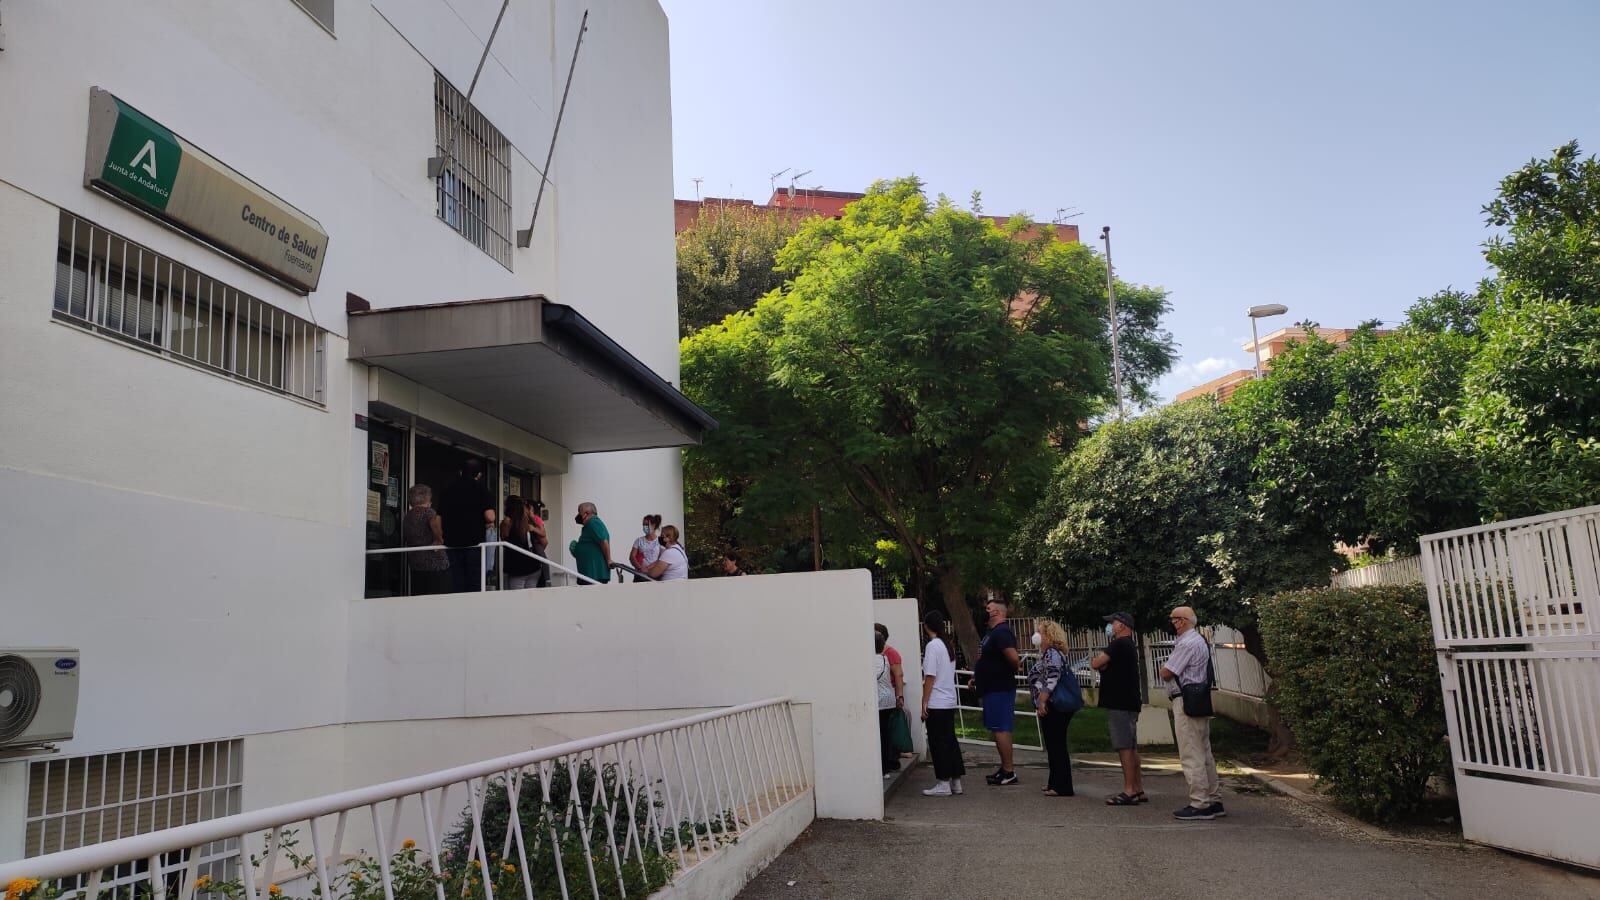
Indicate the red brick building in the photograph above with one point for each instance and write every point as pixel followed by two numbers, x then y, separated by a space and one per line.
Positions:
pixel 813 203
pixel 1273 344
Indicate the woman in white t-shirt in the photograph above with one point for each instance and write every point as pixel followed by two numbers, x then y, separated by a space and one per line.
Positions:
pixel 672 564
pixel 646 548
pixel 939 706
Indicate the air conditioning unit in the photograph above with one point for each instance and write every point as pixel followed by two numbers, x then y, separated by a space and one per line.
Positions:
pixel 38 696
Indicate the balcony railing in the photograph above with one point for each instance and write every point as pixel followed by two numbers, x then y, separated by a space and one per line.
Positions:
pixel 497 550
pixel 594 817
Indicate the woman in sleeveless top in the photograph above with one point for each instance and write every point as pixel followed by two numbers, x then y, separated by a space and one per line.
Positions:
pixel 421 528
pixel 522 571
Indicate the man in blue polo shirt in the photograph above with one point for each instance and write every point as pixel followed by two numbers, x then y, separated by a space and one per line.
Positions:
pixel 994 680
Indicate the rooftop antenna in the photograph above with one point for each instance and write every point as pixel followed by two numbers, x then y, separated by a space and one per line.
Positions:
pixel 697 188
pixel 1062 214
pixel 793 179
pixel 772 180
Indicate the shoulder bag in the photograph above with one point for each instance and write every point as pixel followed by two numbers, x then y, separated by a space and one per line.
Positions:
pixel 1067 696
pixel 1197 697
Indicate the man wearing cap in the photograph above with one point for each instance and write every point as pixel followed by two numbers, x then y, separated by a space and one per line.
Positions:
pixel 1118 665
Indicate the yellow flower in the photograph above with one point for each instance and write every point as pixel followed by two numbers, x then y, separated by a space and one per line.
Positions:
pixel 19 887
pixel 509 867
pixel 274 890
pixel 407 844
pixel 203 882
pixel 356 877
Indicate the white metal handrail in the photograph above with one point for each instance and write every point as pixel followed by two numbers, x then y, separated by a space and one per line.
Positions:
pixel 665 795
pixel 483 560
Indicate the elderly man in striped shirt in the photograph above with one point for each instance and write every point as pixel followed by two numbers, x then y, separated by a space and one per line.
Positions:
pixel 1190 663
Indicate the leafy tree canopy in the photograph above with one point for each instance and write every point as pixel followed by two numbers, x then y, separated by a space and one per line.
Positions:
pixel 725 262
pixel 1156 512
pixel 922 363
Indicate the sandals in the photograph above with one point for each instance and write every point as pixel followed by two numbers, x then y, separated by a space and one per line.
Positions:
pixel 1124 799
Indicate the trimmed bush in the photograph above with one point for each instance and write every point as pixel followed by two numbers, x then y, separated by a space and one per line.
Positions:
pixel 1354 676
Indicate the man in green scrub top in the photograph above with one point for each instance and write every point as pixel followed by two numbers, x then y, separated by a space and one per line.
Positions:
pixel 592 549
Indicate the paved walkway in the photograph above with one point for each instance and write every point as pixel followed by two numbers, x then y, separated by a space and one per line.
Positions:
pixel 1013 841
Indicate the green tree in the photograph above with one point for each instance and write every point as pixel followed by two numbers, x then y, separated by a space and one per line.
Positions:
pixel 923 364
pixel 726 261
pixel 1550 209
pixel 1530 419
pixel 1156 512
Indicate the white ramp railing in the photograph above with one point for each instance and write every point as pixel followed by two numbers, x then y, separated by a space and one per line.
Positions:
pixel 610 816
pixel 1514 620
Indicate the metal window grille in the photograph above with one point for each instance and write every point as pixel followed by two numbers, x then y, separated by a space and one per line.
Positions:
pixel 474 185
pixel 123 291
pixel 83 800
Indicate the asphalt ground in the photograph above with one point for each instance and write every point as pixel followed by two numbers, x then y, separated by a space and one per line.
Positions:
pixel 1015 842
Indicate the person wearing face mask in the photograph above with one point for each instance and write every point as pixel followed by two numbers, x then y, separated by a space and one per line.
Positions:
pixel 1118 665
pixel 592 549
pixel 994 680
pixel 1054 717
pixel 646 547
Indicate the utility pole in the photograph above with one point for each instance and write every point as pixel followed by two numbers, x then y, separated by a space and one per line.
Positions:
pixel 816 537
pixel 1111 298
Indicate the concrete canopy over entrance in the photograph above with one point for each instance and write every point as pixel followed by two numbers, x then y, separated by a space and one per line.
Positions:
pixel 538 365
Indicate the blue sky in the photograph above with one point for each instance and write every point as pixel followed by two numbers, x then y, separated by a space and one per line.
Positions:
pixel 1332 157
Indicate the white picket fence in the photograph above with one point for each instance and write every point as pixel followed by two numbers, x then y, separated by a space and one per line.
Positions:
pixel 1406 570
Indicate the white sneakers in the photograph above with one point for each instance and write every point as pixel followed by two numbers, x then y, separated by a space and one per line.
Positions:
pixel 955 786
pixel 943 788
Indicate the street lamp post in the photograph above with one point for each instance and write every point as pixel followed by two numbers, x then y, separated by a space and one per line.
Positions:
pixel 1261 312
pixel 1111 299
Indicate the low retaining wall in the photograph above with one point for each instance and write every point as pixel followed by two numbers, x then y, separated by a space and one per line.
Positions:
pixel 734 865
pixel 1243 708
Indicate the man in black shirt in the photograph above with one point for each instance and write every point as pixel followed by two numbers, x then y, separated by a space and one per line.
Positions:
pixel 464 511
pixel 1118 665
pixel 994 680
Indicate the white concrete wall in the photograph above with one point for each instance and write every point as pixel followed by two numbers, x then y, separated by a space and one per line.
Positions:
pixel 198 539
pixel 899 615
pixel 697 643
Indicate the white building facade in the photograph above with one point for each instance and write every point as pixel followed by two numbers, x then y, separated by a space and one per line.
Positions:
pixel 225 358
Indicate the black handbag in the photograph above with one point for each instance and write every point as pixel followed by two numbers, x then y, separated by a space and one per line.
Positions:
pixel 1197 697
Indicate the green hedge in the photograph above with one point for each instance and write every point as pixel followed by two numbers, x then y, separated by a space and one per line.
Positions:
pixel 1354 676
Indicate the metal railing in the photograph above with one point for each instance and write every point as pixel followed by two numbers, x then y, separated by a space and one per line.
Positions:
pixel 498 567
pixel 611 815
pixel 125 291
pixel 1406 570
pixel 1512 605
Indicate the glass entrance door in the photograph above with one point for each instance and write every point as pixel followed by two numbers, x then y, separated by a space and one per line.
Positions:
pixel 385 507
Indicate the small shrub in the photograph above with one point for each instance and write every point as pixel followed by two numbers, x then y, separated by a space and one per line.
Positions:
pixel 1355 678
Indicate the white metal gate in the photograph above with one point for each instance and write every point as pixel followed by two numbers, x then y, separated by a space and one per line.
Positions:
pixel 1515 608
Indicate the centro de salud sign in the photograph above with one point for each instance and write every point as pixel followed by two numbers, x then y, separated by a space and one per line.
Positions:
pixel 138 160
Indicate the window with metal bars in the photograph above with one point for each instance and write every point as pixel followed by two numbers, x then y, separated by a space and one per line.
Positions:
pixel 473 185
pixel 83 800
pixel 123 291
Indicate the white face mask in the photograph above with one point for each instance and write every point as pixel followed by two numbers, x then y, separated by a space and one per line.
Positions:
pixel 1111 632
pixel 1037 640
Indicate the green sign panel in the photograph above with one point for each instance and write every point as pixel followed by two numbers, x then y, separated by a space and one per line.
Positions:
pixel 138 160
pixel 142 161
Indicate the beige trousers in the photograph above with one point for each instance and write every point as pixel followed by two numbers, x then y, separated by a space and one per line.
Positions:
pixel 1194 750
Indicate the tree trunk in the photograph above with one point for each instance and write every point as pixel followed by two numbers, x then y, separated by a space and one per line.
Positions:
pixel 955 606
pixel 1280 741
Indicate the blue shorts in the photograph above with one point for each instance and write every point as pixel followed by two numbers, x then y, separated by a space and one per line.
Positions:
pixel 1000 710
